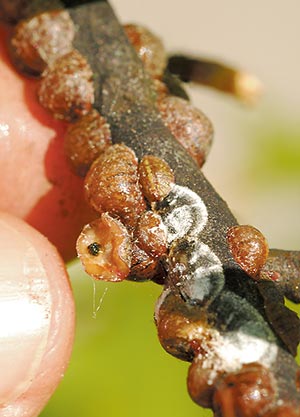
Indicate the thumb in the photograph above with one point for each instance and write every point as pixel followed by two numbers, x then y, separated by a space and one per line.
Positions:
pixel 36 319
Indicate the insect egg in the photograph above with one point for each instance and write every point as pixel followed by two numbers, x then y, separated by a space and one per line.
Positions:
pixel 143 266
pixel 201 384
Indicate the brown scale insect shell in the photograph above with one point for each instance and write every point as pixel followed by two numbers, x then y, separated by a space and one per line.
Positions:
pixel 249 392
pixel 104 248
pixel 248 247
pixel 151 235
pixel 190 127
pixel 144 267
pixel 40 40
pixel 201 384
pixel 179 327
pixel 172 338
pixel 85 140
pixel 149 48
pixel 66 89
pixel 112 185
pixel 283 411
pixel 156 178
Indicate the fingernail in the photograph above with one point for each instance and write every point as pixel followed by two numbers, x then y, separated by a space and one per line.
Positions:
pixel 25 313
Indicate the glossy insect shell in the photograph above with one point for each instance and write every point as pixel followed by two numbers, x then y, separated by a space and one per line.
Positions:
pixel 112 185
pixel 148 47
pixel 156 178
pixel 85 140
pixel 66 89
pixel 40 40
pixel 249 248
pixel 104 248
pixel 247 393
pixel 190 126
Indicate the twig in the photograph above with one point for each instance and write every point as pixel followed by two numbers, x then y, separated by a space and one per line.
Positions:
pixel 214 74
pixel 283 268
pixel 211 312
pixel 125 98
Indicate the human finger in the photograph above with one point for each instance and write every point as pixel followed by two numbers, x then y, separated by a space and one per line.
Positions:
pixel 37 319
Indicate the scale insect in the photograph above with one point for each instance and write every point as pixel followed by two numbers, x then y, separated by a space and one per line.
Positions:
pixel 217 309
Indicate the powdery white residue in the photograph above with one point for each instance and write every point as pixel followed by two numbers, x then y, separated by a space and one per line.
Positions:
pixel 179 222
pixel 203 255
pixel 208 272
pixel 184 215
pixel 207 283
pixel 187 214
pixel 201 271
pixel 238 348
pixel 229 352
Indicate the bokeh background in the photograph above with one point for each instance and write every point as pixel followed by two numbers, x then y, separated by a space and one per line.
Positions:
pixel 118 368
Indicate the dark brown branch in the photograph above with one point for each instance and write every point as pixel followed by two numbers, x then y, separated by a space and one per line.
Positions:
pixel 214 74
pixel 283 268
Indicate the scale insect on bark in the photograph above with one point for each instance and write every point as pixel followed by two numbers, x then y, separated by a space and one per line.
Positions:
pixel 222 304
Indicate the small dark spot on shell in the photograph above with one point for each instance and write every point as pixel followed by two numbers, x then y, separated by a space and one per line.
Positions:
pixel 94 248
pixel 108 238
pixel 248 392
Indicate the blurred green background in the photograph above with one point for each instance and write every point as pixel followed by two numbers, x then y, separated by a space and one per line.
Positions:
pixel 118 368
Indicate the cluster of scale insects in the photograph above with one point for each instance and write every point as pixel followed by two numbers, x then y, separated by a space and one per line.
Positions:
pixel 117 186
pixel 127 239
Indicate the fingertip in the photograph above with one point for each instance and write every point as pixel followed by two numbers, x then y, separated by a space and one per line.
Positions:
pixel 37 319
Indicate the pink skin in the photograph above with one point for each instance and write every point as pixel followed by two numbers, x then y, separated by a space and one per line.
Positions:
pixel 36 302
pixel 37 319
pixel 36 181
